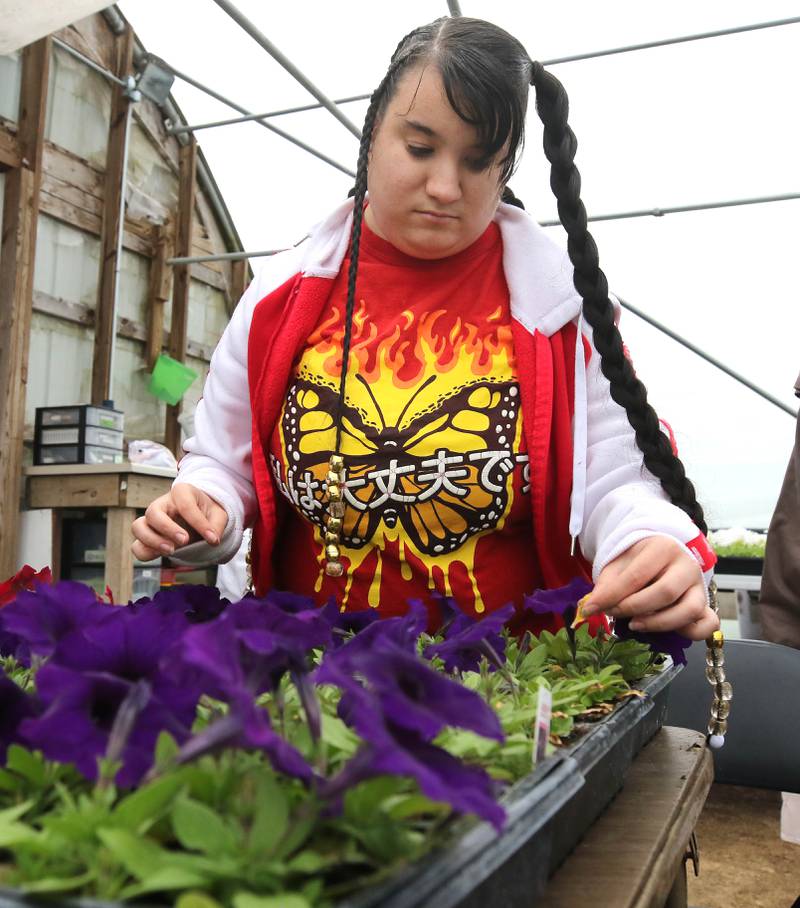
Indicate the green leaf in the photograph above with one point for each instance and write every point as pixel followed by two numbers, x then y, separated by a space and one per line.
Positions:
pixel 138 811
pixel 166 750
pixel 29 765
pixel 198 827
pixel 336 734
pixel 362 803
pixel 164 880
pixel 271 816
pixel 308 862
pixel 139 856
pixel 9 782
pixel 14 833
pixel 196 900
pixel 282 900
pixel 58 884
pixel 414 805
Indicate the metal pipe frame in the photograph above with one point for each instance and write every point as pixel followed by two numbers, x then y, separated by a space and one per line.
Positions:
pixel 707 357
pixel 665 42
pixel 260 38
pixel 243 110
pixel 677 209
pixel 554 61
pixel 221 257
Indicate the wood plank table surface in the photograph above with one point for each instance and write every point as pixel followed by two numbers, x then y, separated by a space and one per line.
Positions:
pixel 633 856
pixel 121 489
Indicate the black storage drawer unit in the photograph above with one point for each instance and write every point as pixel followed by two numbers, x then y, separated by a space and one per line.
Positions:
pixel 77 434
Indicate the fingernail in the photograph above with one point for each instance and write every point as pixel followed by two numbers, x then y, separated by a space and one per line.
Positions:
pixel 166 548
pixel 588 608
pixel 211 538
pixel 181 538
pixel 636 625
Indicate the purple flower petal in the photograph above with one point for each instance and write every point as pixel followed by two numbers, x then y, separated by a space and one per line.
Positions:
pixel 15 706
pixel 668 642
pixel 464 646
pixel 544 602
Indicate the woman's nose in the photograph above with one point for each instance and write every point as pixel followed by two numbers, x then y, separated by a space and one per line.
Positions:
pixel 444 182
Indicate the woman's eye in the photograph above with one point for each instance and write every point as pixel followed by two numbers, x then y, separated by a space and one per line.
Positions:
pixel 477 165
pixel 419 151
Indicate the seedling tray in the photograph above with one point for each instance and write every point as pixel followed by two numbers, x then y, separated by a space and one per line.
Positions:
pixel 548 813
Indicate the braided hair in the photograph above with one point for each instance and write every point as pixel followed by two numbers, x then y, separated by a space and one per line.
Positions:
pixel 486 74
pixel 627 390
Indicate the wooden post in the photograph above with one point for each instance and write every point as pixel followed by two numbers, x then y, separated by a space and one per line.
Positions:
pixel 17 251
pixel 160 280
pixel 182 281
pixel 115 162
pixel 239 279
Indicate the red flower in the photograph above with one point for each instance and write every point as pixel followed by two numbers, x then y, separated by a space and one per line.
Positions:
pixel 26 578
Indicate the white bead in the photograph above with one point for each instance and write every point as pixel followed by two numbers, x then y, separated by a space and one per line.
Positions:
pixel 716 741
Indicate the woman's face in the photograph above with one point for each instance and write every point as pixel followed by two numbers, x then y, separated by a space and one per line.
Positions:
pixel 431 190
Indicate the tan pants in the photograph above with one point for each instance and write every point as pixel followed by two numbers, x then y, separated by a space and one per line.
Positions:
pixel 779 605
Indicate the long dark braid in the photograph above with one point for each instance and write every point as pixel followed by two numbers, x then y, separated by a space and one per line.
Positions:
pixel 399 62
pixel 560 143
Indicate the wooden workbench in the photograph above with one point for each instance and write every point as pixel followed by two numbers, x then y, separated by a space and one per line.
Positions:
pixel 121 489
pixel 633 856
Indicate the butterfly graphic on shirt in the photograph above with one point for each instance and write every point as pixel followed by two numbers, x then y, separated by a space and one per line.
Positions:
pixel 439 471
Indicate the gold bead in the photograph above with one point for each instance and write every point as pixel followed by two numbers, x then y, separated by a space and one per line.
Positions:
pixel 332 539
pixel 334 479
pixel 334 569
pixel 332 552
pixel 334 525
pixel 334 493
pixel 720 709
pixel 336 509
pixel 717 639
pixel 717 727
pixel 336 462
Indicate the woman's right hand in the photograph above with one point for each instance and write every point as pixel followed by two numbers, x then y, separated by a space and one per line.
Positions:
pixel 184 515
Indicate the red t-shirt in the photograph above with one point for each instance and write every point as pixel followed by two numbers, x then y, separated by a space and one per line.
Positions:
pixel 436 465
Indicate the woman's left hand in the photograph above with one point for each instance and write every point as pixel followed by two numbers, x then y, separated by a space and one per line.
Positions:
pixel 659 586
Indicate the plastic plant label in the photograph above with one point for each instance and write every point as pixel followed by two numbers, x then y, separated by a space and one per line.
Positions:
pixel 541 736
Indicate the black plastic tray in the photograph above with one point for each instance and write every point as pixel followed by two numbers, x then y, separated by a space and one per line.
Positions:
pixel 548 813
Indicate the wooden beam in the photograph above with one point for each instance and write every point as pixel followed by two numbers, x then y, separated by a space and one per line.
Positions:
pixel 115 164
pixel 17 251
pixel 81 314
pixel 182 280
pixel 240 277
pixel 160 279
pixel 9 150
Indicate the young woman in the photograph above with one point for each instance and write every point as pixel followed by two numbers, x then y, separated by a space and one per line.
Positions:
pixel 428 395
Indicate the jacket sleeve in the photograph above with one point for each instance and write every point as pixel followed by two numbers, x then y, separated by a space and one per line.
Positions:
pixel 624 500
pixel 218 456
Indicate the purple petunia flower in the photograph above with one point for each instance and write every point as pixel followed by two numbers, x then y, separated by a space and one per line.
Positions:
pixel 467 642
pixel 557 601
pixel 403 632
pixel 40 620
pixel 409 692
pixel 80 710
pixel 196 602
pixel 15 706
pixel 668 642
pixel 391 749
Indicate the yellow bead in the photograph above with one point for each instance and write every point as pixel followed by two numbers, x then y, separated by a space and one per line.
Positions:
pixel 717 640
